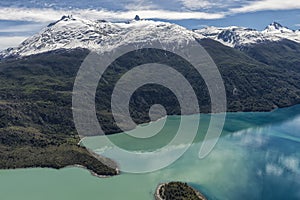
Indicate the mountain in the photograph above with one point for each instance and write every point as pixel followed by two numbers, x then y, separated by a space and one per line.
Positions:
pixel 71 33
pixel 239 37
pixel 267 54
pixel 37 78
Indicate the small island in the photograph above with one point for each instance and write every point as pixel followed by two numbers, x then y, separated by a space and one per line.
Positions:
pixel 177 191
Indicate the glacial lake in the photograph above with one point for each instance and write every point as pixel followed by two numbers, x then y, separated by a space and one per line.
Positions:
pixel 257 157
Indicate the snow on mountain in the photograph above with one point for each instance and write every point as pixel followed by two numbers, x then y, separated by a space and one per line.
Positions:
pixel 70 32
pixel 232 36
pixel 282 32
pixel 277 28
pixel 239 36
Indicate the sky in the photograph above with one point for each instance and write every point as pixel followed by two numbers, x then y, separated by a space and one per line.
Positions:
pixel 20 19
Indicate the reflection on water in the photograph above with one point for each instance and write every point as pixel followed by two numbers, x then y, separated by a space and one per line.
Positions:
pixel 257 157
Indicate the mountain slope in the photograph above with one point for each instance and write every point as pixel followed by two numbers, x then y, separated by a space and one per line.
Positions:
pixel 40 87
pixel 252 85
pixel 283 54
pixel 36 128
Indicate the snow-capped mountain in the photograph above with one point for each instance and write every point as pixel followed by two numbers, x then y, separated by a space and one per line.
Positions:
pixel 70 32
pixel 239 36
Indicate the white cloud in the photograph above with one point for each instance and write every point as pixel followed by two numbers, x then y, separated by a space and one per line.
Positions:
pixel 23 14
pixel 196 4
pixel 173 15
pixel 22 28
pixel 146 14
pixel 10 41
pixel 50 15
pixel 267 5
pixel 174 10
pixel 141 5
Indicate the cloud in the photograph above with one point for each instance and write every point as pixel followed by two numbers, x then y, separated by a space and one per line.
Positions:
pixel 141 5
pixel 263 5
pixel 32 14
pixel 50 15
pixel 171 10
pixel 196 4
pixel 12 41
pixel 21 28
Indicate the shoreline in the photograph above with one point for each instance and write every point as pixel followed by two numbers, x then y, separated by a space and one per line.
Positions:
pixel 205 113
pixel 69 166
pixel 92 172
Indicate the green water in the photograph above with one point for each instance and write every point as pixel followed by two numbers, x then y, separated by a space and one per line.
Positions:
pixel 257 157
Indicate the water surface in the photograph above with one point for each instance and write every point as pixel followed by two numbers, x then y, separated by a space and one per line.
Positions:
pixel 257 157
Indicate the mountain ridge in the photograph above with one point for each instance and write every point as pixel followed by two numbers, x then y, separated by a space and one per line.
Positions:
pixel 71 32
pixel 239 37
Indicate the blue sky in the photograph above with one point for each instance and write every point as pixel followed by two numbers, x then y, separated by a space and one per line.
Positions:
pixel 22 18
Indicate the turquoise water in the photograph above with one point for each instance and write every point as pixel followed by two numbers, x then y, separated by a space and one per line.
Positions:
pixel 257 157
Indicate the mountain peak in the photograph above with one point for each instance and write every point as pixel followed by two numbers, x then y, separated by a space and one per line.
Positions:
pixel 63 18
pixel 137 18
pixel 276 27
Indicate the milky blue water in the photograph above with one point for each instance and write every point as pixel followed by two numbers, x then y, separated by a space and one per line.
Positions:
pixel 257 157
